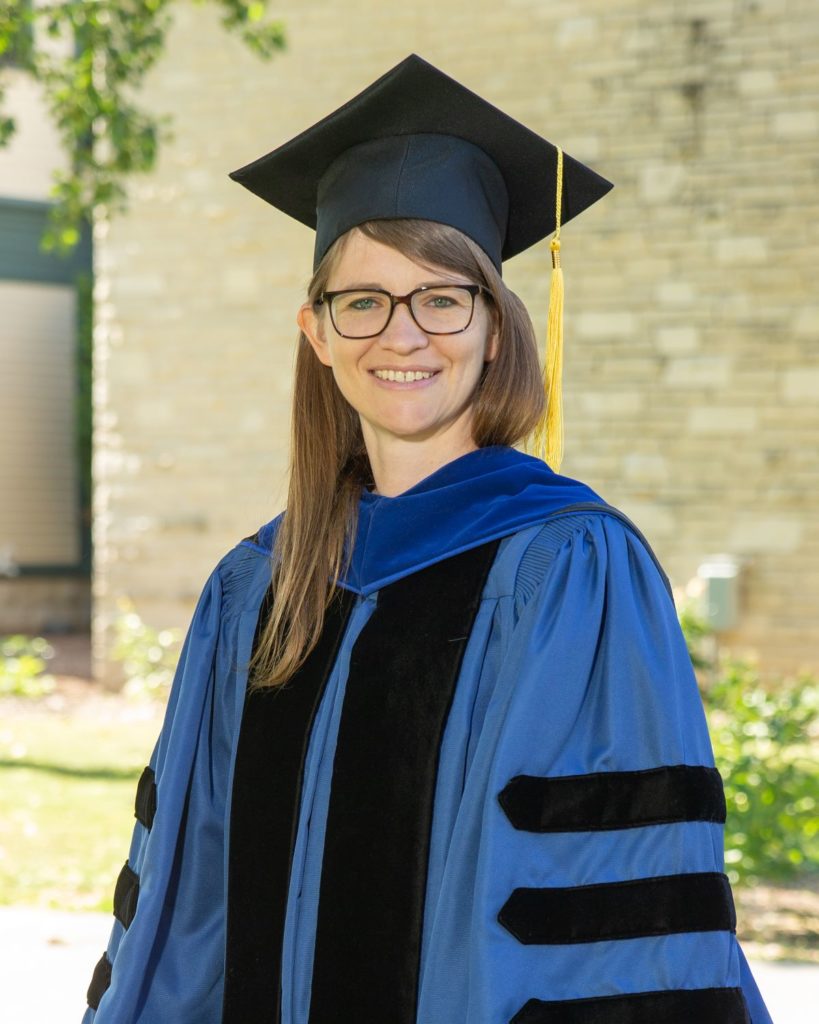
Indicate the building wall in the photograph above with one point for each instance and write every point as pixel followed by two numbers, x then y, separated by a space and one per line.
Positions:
pixel 692 323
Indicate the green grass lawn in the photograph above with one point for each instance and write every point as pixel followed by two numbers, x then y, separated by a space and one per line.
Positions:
pixel 67 787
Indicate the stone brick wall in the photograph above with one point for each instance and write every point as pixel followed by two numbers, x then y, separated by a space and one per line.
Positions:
pixel 692 324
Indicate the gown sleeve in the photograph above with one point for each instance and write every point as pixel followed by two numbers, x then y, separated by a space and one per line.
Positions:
pixel 164 955
pixel 599 888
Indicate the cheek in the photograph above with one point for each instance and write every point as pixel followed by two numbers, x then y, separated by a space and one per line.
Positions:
pixel 347 390
pixel 343 364
pixel 344 373
pixel 475 358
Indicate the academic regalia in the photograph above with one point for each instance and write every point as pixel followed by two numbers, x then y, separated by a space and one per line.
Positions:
pixel 489 795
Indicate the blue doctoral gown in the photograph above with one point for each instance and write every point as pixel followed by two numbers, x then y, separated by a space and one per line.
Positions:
pixel 569 864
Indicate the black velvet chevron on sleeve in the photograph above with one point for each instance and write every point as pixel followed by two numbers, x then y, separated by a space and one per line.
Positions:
pixel 126 894
pixel 100 981
pixel 663 905
pixel 145 805
pixel 614 800
pixel 126 890
pixel 674 1006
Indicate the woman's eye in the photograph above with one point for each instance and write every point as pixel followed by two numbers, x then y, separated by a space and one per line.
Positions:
pixel 441 301
pixel 363 303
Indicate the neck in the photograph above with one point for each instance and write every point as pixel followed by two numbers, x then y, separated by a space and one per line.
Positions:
pixel 398 463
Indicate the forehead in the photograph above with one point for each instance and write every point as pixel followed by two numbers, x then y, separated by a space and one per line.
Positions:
pixel 365 261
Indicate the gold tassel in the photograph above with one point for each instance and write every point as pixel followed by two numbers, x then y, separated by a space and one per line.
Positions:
pixel 548 433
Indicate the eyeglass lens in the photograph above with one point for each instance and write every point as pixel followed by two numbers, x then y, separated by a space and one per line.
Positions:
pixel 359 314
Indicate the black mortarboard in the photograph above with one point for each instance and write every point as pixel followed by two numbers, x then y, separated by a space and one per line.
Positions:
pixel 416 143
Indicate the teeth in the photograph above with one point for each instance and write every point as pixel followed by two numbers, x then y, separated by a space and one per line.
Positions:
pixel 402 375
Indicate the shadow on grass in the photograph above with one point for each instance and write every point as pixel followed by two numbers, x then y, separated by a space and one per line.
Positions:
pixel 114 774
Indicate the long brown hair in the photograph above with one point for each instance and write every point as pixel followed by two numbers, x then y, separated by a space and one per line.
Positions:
pixel 328 460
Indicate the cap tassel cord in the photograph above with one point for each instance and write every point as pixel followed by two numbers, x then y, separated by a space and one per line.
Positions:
pixel 548 433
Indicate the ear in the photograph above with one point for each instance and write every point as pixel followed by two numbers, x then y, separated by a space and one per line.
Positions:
pixel 310 323
pixel 492 345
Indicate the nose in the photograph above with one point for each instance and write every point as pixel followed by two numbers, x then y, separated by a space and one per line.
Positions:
pixel 402 333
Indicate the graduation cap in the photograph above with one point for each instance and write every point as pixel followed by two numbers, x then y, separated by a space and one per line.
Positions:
pixel 416 143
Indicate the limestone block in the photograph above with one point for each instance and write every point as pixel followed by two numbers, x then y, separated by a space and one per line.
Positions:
pixel 741 250
pixel 795 124
pixel 801 383
pixel 576 31
pixel 241 285
pixel 629 368
pixel 645 468
pixel 677 340
pixel 806 323
pixel 639 39
pixel 660 182
pixel 757 82
pixel 136 285
pixel 155 411
pixel 608 403
pixel 675 293
pixel 779 534
pixel 698 371
pixel 134 366
pixel 614 324
pixel 722 419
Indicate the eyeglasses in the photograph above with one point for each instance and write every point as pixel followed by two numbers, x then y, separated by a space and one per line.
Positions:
pixel 437 309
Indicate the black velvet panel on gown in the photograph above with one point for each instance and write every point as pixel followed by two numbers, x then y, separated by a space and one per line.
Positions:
pixel 264 813
pixel 403 671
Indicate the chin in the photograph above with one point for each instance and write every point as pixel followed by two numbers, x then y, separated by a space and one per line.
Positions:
pixel 417 433
pixel 404 421
pixel 407 430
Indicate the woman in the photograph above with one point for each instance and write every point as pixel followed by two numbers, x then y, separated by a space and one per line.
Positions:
pixel 450 765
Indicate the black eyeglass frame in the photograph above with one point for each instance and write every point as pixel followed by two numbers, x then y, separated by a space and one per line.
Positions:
pixel 395 300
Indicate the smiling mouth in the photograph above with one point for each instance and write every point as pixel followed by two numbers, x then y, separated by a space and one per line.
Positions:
pixel 404 376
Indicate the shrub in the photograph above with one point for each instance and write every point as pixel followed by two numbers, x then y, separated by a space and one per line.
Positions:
pixel 762 736
pixel 22 666
pixel 148 655
pixel 762 740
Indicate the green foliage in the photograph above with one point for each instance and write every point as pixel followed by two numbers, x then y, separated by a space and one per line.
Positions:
pixel 148 655
pixel 16 42
pixel 762 739
pixel 90 91
pixel 22 666
pixel 696 631
pixel 762 736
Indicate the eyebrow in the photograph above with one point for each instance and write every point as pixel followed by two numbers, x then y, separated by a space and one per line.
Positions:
pixel 366 285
